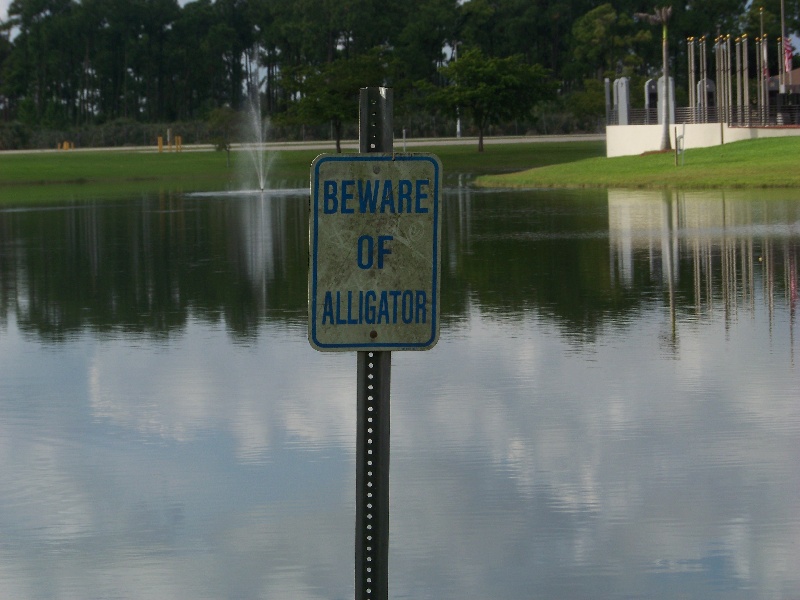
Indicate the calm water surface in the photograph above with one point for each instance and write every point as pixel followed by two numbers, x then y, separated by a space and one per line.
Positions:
pixel 611 412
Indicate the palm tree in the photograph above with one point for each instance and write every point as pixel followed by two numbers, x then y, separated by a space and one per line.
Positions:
pixel 661 16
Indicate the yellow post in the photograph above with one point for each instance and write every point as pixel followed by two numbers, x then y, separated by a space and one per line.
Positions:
pixel 160 144
pixel 179 143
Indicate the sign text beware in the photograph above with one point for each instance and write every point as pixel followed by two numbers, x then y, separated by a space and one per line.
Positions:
pixel 375 225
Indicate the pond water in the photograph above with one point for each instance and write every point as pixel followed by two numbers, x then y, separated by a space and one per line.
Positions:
pixel 611 412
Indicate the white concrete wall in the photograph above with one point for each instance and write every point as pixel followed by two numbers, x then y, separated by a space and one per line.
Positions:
pixel 737 134
pixel 628 140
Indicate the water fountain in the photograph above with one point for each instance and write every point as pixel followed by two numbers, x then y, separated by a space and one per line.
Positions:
pixel 257 128
pixel 253 133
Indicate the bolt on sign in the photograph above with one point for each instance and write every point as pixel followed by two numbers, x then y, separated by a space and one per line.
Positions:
pixel 374 241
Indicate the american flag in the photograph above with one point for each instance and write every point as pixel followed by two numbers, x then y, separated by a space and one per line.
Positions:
pixel 787 54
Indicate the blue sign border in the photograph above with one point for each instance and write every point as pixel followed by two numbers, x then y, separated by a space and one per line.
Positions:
pixel 377 346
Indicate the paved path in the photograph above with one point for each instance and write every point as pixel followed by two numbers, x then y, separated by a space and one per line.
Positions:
pixel 462 141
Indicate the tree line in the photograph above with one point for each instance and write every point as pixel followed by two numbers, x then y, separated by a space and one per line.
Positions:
pixel 70 65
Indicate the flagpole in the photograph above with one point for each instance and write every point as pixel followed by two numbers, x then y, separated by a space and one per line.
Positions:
pixel 765 66
pixel 787 51
pixel 783 48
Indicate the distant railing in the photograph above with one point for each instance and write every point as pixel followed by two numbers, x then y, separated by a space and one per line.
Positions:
pixel 735 116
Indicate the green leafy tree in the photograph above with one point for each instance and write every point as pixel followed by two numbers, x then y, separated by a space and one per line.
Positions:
pixel 710 17
pixel 74 62
pixel 330 93
pixel 604 41
pixel 492 90
pixel 540 31
pixel 232 39
pixel 267 18
pixel 588 104
pixel 43 67
pixel 200 77
pixel 418 52
pixel 152 52
pixel 418 48
pixel 222 123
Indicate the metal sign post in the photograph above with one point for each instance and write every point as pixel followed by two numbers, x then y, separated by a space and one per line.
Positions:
pixel 374 372
pixel 373 287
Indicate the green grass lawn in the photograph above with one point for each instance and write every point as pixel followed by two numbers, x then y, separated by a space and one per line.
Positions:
pixel 749 164
pixel 69 167
pixel 45 176
pixel 49 176
pixel 53 175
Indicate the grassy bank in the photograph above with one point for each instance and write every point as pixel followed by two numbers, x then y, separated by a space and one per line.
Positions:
pixel 749 164
pixel 71 174
pixel 58 175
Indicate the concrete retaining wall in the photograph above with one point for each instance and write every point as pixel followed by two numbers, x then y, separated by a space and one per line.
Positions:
pixel 627 140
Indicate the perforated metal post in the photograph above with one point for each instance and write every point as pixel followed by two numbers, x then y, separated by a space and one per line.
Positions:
pixel 372 476
pixel 376 107
pixel 374 375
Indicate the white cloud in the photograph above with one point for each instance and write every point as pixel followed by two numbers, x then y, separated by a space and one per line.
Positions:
pixel 188 389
